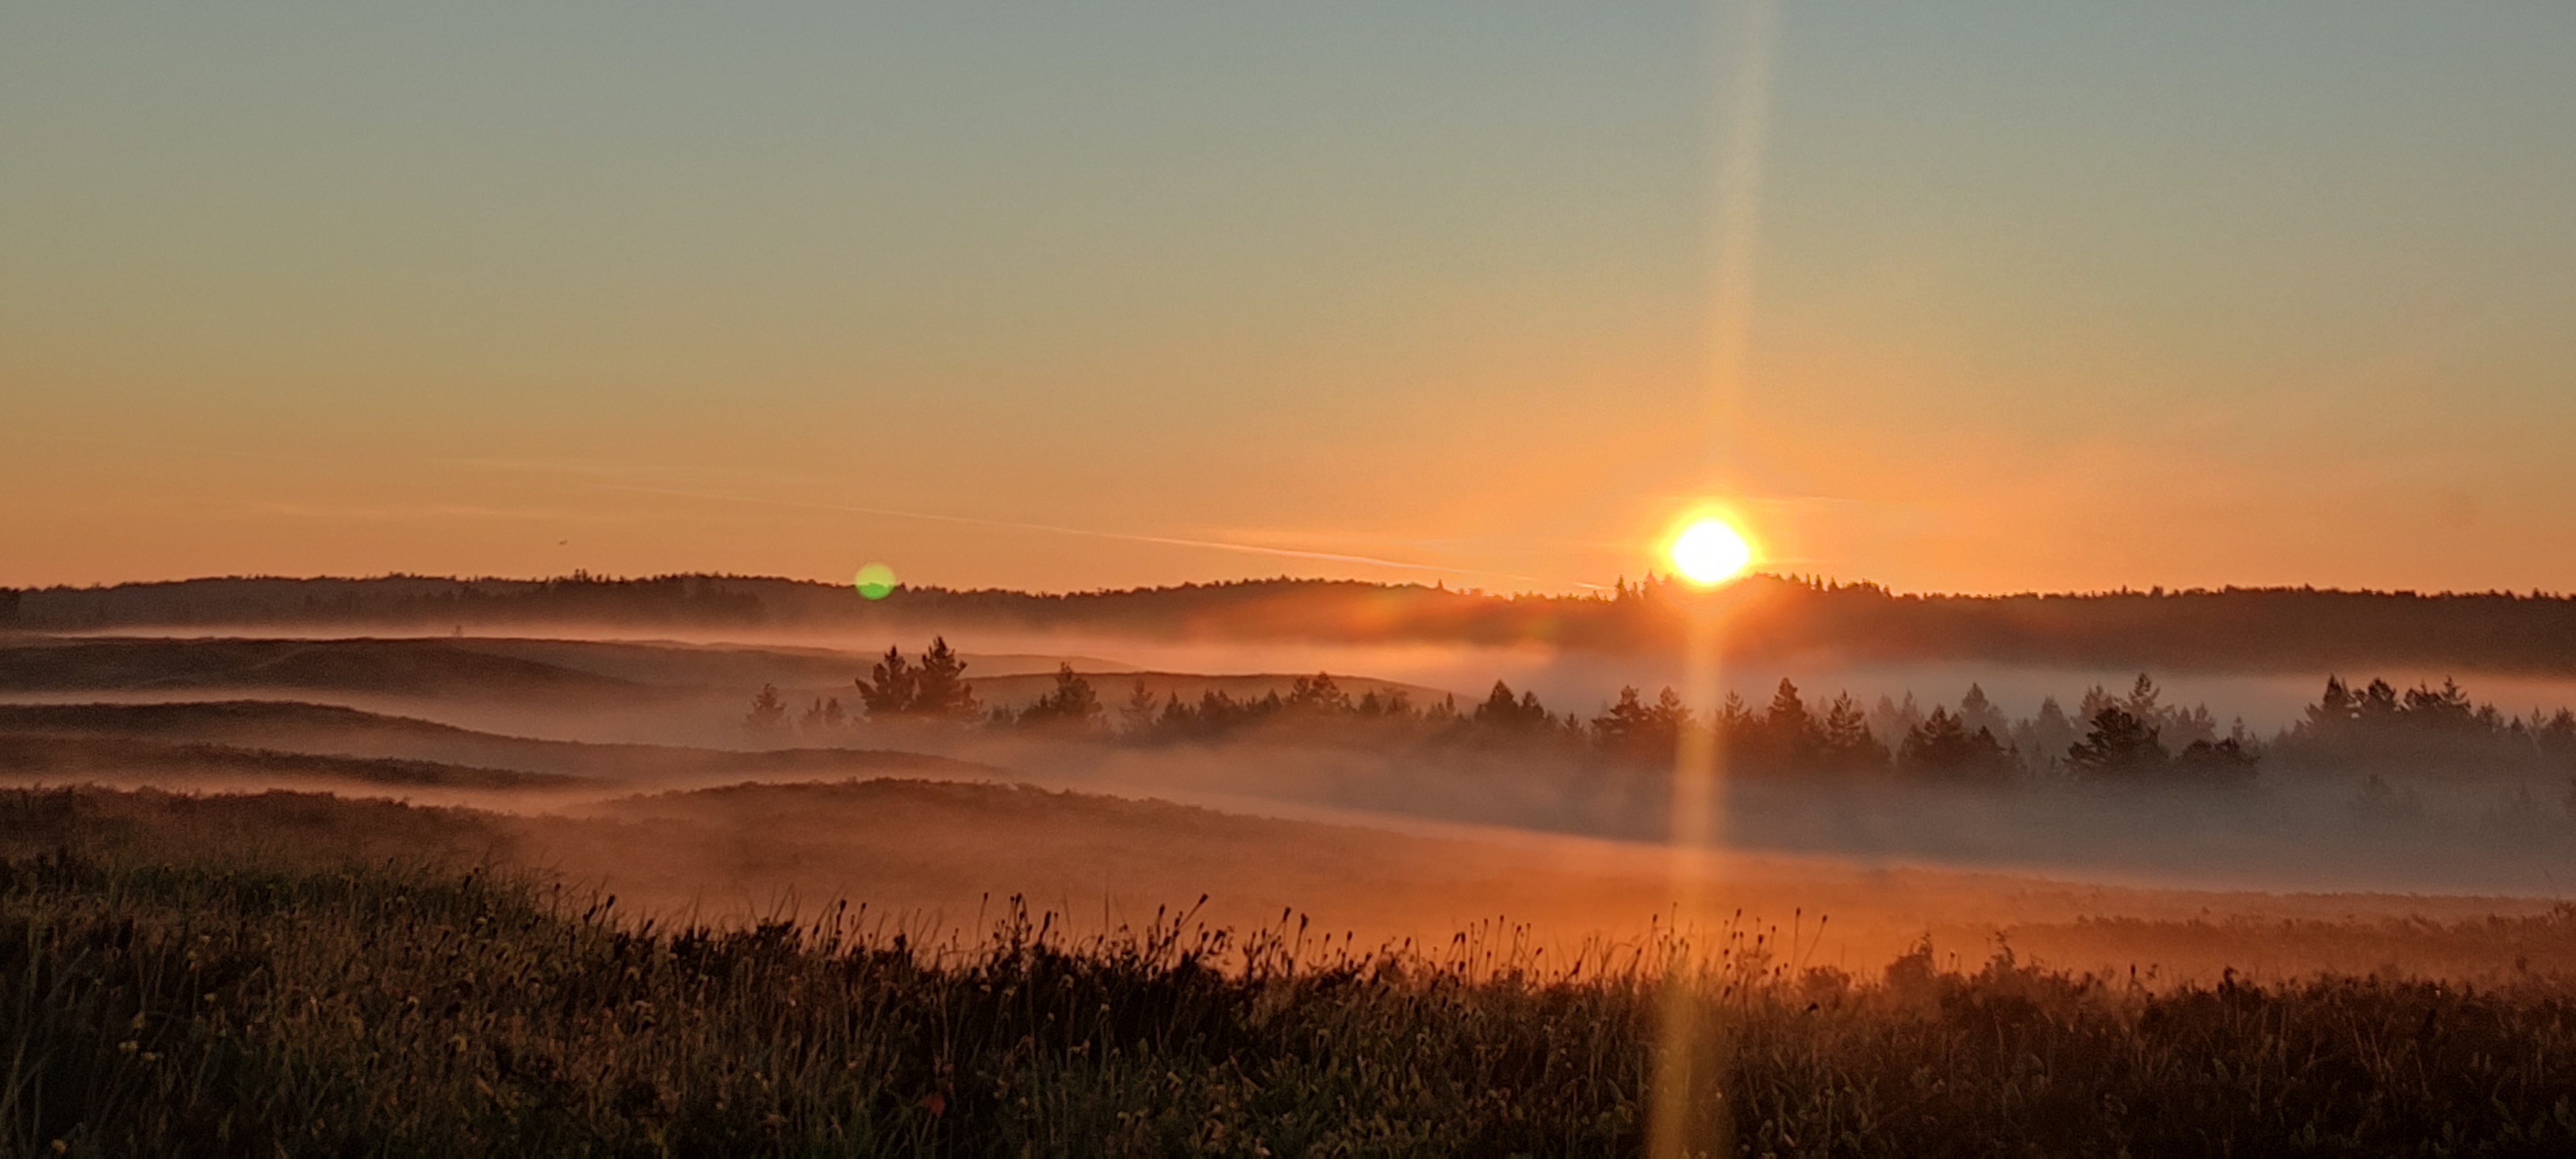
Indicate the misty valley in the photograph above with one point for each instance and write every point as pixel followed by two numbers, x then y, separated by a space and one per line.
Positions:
pixel 1714 579
pixel 695 829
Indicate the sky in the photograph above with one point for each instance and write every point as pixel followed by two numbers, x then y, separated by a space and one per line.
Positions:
pixel 1977 296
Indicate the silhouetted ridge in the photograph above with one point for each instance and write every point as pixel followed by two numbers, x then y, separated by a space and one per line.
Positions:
pixel 81 757
pixel 343 732
pixel 2241 629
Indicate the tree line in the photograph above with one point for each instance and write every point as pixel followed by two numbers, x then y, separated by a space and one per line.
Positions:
pixel 2425 727
pixel 2131 736
pixel 1770 619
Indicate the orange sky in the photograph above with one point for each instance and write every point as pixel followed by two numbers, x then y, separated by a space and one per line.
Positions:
pixel 1150 293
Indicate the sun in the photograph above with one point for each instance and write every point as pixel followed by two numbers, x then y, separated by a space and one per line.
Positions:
pixel 1710 551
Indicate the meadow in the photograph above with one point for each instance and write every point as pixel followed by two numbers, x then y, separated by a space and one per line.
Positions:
pixel 307 975
pixel 433 897
pixel 931 579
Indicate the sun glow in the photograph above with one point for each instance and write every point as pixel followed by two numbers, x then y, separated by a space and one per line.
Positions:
pixel 1710 551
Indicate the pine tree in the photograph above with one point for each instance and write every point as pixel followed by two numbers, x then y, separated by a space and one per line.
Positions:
pixel 2146 702
pixel 2043 739
pixel 2377 705
pixel 2118 746
pixel 1943 747
pixel 2333 712
pixel 1177 719
pixel 939 687
pixel 1848 744
pixel 1890 721
pixel 1632 728
pixel 1071 707
pixel 932 689
pixel 1137 716
pixel 1977 712
pixel 1789 734
pixel 1502 710
pixel 768 711
pixel 890 692
pixel 1319 695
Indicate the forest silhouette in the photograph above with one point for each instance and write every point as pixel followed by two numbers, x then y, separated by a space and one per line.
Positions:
pixel 2133 737
pixel 2295 630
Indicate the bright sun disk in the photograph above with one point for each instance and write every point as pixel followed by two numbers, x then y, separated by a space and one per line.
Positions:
pixel 1710 551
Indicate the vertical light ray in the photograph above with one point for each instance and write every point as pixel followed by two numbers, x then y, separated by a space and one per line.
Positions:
pixel 1687 1112
pixel 1742 119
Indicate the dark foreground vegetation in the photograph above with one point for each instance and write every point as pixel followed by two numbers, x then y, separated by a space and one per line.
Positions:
pixel 306 1003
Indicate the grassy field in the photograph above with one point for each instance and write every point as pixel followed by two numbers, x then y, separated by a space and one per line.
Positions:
pixel 371 984
pixel 75 756
pixel 37 736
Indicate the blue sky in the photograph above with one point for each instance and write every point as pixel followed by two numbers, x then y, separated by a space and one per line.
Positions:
pixel 2043 296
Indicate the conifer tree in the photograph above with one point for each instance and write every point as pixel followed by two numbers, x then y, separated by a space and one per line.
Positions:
pixel 889 693
pixel 768 710
pixel 2117 746
pixel 1136 717
pixel 939 687
pixel 1071 707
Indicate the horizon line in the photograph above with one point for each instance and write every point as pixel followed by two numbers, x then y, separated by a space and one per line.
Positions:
pixel 1596 593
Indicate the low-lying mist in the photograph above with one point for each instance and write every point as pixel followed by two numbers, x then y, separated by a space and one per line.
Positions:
pixel 731 660
pixel 2305 834
pixel 946 860
pixel 1384 826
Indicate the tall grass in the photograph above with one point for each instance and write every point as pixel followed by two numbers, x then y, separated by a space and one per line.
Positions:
pixel 228 1009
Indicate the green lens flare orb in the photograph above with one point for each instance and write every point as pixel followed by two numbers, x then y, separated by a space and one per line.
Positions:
pixel 876 581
